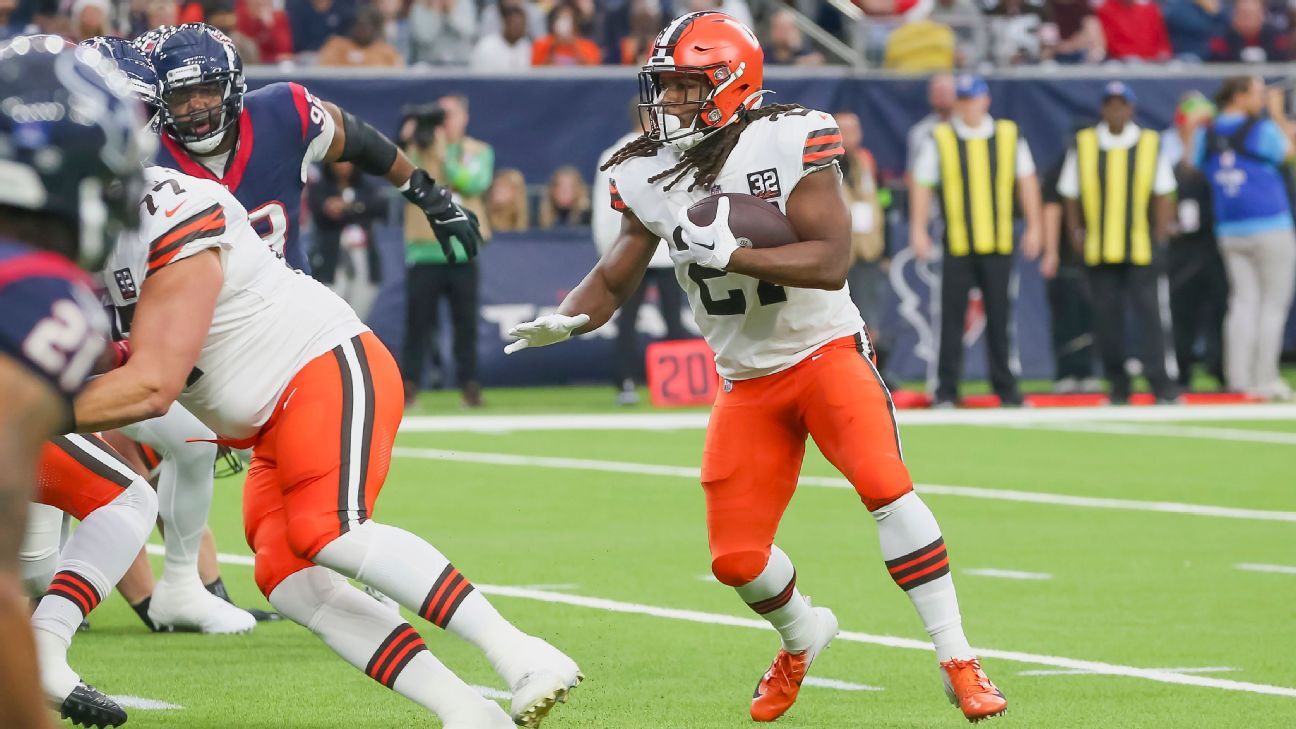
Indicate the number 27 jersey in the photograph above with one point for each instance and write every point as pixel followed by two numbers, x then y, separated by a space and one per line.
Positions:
pixel 754 327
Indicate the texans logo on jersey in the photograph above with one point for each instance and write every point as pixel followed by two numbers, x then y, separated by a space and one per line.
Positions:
pixel 126 284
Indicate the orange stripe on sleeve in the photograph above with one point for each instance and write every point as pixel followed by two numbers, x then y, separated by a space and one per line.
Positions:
pixel 817 156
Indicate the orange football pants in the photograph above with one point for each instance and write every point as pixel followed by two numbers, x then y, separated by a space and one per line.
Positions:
pixel 320 461
pixel 80 473
pixel 756 441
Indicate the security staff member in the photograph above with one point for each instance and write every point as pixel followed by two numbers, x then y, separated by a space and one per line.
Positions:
pixel 1117 184
pixel 981 165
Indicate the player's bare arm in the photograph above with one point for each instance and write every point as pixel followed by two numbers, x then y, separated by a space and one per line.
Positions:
pixel 374 154
pixel 615 277
pixel 33 411
pixel 603 290
pixel 171 323
pixel 817 210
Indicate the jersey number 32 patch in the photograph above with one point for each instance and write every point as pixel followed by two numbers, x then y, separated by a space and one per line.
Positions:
pixel 764 184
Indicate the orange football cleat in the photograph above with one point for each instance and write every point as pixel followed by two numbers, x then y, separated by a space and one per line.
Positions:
pixel 778 688
pixel 970 689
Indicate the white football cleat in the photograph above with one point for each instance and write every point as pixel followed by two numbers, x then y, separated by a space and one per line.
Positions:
pixel 548 678
pixel 188 606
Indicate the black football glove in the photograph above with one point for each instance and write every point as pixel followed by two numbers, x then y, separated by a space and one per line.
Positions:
pixel 449 220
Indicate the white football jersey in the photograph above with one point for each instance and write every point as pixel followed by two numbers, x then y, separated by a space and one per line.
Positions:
pixel 269 321
pixel 755 328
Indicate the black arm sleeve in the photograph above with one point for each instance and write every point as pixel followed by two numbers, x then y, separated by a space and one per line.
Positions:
pixel 366 147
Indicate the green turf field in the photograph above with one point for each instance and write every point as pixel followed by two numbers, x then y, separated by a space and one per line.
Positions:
pixel 1154 595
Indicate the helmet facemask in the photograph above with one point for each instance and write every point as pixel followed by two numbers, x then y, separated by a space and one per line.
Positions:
pixel 201 131
pixel 663 119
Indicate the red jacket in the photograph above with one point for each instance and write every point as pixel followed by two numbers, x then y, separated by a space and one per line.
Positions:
pixel 1134 30
pixel 273 39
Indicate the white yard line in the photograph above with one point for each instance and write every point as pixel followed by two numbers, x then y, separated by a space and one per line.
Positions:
pixel 989 416
pixel 693 616
pixel 139 702
pixel 1240 435
pixel 1203 669
pixel 1281 569
pixel 246 560
pixel 1008 574
pixel 833 683
pixel 559 587
pixel 651 469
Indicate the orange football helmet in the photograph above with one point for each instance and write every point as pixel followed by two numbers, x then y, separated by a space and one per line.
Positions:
pixel 708 44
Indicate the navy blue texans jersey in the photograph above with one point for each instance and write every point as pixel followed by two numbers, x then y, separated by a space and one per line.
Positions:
pixel 52 322
pixel 281 131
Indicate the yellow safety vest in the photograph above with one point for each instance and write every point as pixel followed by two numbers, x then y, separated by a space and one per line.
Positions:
pixel 1116 196
pixel 978 189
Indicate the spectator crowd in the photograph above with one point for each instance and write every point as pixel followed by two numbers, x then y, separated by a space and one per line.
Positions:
pixel 514 35
pixel 488 35
pixel 927 35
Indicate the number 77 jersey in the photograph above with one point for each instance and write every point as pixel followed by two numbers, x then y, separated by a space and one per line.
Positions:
pixel 754 327
pixel 281 131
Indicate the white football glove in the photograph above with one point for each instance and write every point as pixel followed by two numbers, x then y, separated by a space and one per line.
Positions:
pixel 547 330
pixel 710 246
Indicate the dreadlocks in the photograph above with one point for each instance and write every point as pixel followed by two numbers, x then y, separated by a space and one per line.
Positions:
pixel 705 158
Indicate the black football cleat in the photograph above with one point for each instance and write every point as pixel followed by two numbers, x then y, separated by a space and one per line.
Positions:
pixel 89 707
pixel 264 616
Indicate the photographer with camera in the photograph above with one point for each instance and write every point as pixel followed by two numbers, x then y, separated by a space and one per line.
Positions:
pixel 435 138
pixel 345 206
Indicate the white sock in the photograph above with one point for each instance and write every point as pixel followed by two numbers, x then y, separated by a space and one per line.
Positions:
pixel 916 559
pixel 374 640
pixel 94 559
pixel 184 490
pixel 39 554
pixel 416 575
pixel 100 551
pixel 56 676
pixel 773 595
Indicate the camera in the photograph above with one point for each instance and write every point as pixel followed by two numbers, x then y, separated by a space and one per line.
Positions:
pixel 427 117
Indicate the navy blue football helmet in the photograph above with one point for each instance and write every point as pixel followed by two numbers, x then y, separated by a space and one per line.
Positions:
pixel 149 39
pixel 197 57
pixel 131 61
pixel 70 142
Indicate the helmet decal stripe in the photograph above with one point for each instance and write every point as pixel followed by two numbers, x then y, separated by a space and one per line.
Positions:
pixel 677 27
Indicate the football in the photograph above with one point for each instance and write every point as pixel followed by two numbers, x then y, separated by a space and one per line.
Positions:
pixel 756 223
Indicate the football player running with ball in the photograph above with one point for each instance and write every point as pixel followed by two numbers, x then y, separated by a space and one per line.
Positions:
pixel 789 343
